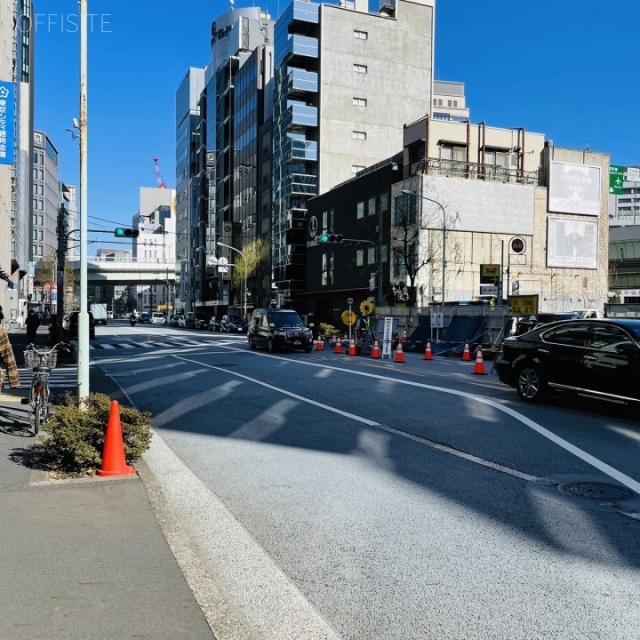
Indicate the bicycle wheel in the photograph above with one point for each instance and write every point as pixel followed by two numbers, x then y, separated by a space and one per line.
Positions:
pixel 37 412
pixel 45 406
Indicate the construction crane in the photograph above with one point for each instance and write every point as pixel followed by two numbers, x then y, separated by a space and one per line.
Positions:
pixel 161 184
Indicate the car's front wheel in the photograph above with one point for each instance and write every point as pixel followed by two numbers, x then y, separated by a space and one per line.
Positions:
pixel 271 347
pixel 530 384
pixel 252 343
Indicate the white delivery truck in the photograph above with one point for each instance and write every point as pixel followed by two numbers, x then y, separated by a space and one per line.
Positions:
pixel 99 312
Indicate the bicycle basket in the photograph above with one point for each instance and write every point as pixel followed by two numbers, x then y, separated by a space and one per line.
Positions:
pixel 40 358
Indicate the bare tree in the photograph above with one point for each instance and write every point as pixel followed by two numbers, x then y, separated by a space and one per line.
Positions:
pixel 414 244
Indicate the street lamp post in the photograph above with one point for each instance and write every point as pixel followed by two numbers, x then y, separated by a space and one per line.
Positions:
pixel 221 244
pixel 444 241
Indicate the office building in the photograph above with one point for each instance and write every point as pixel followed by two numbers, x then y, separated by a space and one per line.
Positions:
pixel 16 95
pixel 226 168
pixel 156 242
pixel 187 190
pixel 346 82
pixel 515 215
pixel 449 102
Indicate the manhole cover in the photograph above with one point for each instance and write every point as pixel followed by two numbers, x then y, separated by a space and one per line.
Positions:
pixel 597 491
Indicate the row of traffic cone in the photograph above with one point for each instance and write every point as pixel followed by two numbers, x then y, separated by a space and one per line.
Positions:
pixel 478 368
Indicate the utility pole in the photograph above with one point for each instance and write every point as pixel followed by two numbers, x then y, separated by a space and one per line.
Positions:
pixel 61 255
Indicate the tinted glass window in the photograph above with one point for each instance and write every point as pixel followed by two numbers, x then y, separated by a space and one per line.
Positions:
pixel 575 335
pixel 285 319
pixel 608 338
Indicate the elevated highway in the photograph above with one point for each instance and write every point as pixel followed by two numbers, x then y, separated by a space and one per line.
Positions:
pixel 121 272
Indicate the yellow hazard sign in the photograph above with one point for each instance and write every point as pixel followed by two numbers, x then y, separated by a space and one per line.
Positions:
pixel 349 317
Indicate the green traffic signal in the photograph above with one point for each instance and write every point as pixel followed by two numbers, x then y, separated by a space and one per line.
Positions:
pixel 122 232
pixel 329 238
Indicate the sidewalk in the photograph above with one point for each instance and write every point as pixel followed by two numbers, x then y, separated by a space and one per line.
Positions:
pixel 83 558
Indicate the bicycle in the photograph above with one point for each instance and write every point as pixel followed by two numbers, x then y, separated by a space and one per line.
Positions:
pixel 9 325
pixel 41 362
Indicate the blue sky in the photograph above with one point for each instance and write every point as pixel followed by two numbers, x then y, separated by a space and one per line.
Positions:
pixel 566 68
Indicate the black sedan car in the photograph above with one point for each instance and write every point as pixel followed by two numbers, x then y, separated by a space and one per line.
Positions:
pixel 233 324
pixel 597 358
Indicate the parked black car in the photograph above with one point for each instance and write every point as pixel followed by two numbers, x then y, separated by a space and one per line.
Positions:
pixel 233 324
pixel 196 320
pixel 70 326
pixel 598 358
pixel 278 329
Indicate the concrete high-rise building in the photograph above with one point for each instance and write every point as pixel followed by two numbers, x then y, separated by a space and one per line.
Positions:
pixel 156 242
pixel 47 197
pixel 70 200
pixel 449 102
pixel 222 176
pixel 346 82
pixel 16 96
pixel 187 122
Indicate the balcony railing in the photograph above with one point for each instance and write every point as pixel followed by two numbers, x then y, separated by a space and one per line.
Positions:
pixel 473 171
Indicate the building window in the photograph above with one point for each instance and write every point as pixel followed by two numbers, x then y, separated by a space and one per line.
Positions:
pixel 359 135
pixel 372 206
pixel 360 35
pixel 327 268
pixel 371 257
pixel 406 210
pixel 384 253
pixel 384 202
pixel 360 68
pixel 400 261
pixel 327 220
pixel 360 210
pixel 359 102
pixel 359 257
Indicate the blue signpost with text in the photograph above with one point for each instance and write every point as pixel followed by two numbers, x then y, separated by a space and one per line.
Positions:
pixel 7 121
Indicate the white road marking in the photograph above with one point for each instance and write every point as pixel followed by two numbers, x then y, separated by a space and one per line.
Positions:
pixel 545 433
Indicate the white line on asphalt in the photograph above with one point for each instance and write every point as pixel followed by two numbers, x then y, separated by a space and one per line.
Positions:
pixel 545 433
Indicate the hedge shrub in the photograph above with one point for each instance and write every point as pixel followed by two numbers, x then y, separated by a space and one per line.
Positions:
pixel 74 438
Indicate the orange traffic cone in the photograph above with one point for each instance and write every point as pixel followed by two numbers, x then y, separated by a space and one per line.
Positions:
pixel 478 368
pixel 427 352
pixel 466 355
pixel 113 461
pixel 338 348
pixel 319 344
pixel 352 347
pixel 376 350
pixel 399 353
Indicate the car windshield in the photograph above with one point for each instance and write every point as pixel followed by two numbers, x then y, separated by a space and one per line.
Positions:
pixel 285 319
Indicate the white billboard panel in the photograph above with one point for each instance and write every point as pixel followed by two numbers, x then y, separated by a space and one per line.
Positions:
pixel 487 207
pixel 574 188
pixel 572 243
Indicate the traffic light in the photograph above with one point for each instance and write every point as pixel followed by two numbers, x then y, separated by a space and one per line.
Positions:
pixel 327 238
pixel 122 232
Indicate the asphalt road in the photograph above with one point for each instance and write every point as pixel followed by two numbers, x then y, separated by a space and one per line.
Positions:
pixel 334 496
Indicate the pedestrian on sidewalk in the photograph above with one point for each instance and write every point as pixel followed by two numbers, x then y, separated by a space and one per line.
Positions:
pixel 32 323
pixel 6 353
